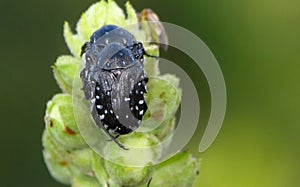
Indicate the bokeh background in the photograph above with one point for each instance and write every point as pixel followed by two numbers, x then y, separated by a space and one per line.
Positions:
pixel 257 44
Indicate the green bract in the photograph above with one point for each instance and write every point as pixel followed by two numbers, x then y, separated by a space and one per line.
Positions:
pixel 180 170
pixel 67 155
pixel 64 70
pixel 60 122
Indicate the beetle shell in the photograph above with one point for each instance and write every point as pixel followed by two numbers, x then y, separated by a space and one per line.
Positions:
pixel 114 80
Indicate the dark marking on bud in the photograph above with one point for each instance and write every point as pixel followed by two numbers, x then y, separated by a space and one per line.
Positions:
pixel 162 95
pixel 50 123
pixel 63 163
pixel 69 131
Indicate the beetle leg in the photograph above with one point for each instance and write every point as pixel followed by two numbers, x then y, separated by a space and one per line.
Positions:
pixel 114 138
pixel 148 184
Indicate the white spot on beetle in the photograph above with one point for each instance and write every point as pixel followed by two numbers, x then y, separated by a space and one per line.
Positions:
pixel 139 84
pixel 141 102
pixel 141 112
pixel 136 107
pixel 97 88
pixel 126 99
pixel 102 117
pixel 141 92
pixel 105 111
pixel 111 111
pixel 97 97
pixel 99 106
pixel 126 116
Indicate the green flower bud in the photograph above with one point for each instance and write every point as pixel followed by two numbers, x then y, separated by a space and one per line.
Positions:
pixel 163 88
pixel 85 181
pixel 164 98
pixel 139 148
pixel 132 175
pixel 100 172
pixel 128 176
pixel 165 129
pixel 64 70
pixel 81 159
pixel 150 22
pixel 61 124
pixel 56 164
pixel 180 170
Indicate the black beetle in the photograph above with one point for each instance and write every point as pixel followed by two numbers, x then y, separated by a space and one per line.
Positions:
pixel 114 80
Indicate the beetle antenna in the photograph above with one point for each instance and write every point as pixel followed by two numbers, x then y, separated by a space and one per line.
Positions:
pixel 146 54
pixel 148 183
pixel 84 48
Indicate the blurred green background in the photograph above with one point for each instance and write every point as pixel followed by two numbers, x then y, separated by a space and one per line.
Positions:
pixel 257 44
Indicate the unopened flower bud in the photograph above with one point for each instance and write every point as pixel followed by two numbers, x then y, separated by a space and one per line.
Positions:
pixel 61 124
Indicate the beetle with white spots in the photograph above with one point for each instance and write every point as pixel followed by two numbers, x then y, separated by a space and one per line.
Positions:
pixel 114 80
